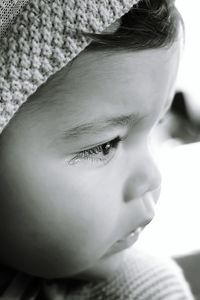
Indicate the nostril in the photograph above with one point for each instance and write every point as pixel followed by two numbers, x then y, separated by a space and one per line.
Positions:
pixel 142 181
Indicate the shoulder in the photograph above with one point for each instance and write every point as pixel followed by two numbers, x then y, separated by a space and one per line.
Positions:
pixel 154 277
pixel 144 277
pixel 141 277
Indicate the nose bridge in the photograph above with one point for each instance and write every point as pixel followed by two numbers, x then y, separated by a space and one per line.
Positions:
pixel 143 176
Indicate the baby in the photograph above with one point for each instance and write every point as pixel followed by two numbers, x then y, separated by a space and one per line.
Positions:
pixel 78 181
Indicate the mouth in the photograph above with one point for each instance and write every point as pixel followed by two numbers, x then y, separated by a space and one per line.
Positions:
pixel 131 238
pixel 126 242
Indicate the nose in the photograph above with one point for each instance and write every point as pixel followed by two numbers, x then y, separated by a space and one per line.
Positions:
pixel 143 177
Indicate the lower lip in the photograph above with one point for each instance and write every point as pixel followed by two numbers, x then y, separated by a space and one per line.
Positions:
pixel 125 243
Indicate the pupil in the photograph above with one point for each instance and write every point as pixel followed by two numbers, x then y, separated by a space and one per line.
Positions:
pixel 106 148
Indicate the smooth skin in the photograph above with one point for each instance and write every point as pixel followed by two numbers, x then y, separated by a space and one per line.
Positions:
pixel 63 207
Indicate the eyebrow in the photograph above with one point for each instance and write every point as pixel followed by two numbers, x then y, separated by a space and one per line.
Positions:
pixel 99 126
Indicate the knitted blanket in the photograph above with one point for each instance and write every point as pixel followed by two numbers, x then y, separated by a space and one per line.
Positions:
pixel 142 277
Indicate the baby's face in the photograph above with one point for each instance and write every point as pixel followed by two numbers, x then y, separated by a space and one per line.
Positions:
pixel 78 176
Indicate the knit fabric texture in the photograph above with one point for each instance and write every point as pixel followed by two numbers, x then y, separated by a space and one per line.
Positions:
pixel 45 36
pixel 9 9
pixel 141 277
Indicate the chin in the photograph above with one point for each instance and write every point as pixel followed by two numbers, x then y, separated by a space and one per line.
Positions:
pixel 104 269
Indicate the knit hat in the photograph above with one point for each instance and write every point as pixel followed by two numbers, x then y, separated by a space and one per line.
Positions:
pixel 39 37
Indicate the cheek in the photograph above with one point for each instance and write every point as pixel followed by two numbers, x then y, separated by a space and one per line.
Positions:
pixel 81 203
pixel 59 218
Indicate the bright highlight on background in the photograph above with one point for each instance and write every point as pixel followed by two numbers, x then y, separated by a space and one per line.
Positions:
pixel 176 228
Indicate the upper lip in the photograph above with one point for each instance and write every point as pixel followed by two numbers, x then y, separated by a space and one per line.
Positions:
pixel 142 225
pixel 155 192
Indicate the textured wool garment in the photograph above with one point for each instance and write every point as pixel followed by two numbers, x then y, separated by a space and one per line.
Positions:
pixel 9 10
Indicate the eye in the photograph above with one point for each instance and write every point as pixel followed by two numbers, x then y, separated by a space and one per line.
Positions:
pixel 101 154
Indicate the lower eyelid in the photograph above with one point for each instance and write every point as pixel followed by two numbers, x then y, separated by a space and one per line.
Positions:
pixel 82 156
pixel 78 160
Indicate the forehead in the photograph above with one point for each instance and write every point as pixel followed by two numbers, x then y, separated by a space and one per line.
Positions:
pixel 97 74
pixel 96 80
pixel 104 85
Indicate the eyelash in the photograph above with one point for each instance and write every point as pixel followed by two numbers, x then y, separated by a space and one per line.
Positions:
pixel 102 153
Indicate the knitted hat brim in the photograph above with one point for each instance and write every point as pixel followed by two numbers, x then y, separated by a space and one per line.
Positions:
pixel 45 37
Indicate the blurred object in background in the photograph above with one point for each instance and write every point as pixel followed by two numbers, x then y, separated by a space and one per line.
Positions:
pixel 190 264
pixel 179 125
pixel 186 125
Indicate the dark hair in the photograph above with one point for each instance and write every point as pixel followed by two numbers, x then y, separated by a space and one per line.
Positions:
pixel 149 24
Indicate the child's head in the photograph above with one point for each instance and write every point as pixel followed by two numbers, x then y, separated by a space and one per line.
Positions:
pixel 76 172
